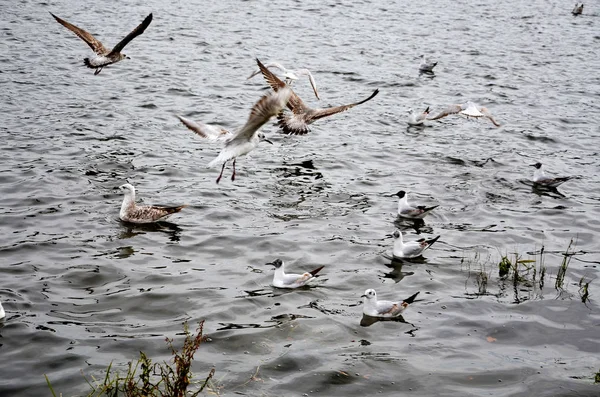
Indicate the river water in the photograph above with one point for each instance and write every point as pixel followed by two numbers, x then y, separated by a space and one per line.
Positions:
pixel 81 289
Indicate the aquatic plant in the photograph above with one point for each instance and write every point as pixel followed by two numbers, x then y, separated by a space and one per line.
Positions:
pixel 145 379
pixel 562 270
pixel 584 290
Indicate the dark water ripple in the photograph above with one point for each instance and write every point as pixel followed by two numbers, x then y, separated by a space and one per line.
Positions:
pixel 81 289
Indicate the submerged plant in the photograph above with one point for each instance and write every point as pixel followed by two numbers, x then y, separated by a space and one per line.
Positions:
pixel 584 290
pixel 144 379
pixel 562 270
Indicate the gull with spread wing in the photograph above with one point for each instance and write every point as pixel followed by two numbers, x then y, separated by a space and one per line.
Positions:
pixel 248 137
pixel 296 122
pixel 104 57
pixel 290 75
pixel 469 109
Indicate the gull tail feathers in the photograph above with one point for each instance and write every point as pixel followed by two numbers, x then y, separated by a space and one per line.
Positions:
pixel 433 240
pixel 317 270
pixel 412 298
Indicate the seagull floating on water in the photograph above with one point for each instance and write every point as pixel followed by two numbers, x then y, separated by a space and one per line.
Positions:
pixel 2 312
pixel 291 75
pixel 406 210
pixel 411 249
pixel 207 131
pixel 130 212
pixel 417 119
pixel 301 116
pixel 104 57
pixel 283 280
pixel 578 10
pixel 374 308
pixel 540 178
pixel 426 65
pixel 468 109
pixel 248 137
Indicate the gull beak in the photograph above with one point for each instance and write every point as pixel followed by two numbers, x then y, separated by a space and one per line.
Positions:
pixel 363 296
pixel 532 165
pixel 266 140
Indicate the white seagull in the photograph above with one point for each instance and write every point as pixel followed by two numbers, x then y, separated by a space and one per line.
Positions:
pixel 283 280
pixel 2 312
pixel 104 56
pixel 540 178
pixel 248 137
pixel 130 212
pixel 406 210
pixel 426 65
pixel 290 75
pixel 469 109
pixel 578 10
pixel 374 308
pixel 417 119
pixel 411 249
pixel 207 131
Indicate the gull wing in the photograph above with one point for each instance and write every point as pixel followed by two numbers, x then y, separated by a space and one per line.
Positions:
pixel 206 131
pixel 452 109
pixel 313 83
pixel 269 65
pixel 487 114
pixel 320 113
pixel 134 33
pixel 90 40
pixel 389 308
pixel 295 104
pixel 151 213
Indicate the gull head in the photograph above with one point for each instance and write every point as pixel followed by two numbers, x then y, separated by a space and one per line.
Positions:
pixel 262 137
pixel 127 188
pixel 536 165
pixel 369 294
pixel 397 235
pixel 123 56
pixel 400 194
pixel 277 263
pixel 410 111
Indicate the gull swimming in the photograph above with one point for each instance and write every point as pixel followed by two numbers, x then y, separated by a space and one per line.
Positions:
pixel 130 212
pixel 374 308
pixel 2 312
pixel 417 119
pixel 406 210
pixel 426 65
pixel 297 122
pixel 248 137
pixel 283 280
pixel 411 249
pixel 207 131
pixel 468 109
pixel 104 57
pixel 290 75
pixel 540 178
pixel 578 10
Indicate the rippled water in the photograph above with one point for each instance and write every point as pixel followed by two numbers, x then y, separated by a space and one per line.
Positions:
pixel 82 289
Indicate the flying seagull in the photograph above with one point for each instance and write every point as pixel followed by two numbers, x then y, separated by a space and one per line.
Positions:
pixel 104 57
pixel 290 75
pixel 207 131
pixel 130 212
pixel 578 10
pixel 406 210
pixel 283 280
pixel 426 66
pixel 540 178
pixel 411 249
pixel 374 308
pixel 417 119
pixel 248 137
pixel 297 122
pixel 468 109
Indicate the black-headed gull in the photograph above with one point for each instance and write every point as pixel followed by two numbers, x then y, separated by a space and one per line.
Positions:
pixel 385 309
pixel 469 109
pixel 540 178
pixel 417 119
pixel 405 210
pixel 283 280
pixel 104 56
pixel 426 65
pixel 290 75
pixel 578 10
pixel 130 212
pixel 410 249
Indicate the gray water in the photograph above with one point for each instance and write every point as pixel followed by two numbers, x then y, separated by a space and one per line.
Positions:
pixel 81 289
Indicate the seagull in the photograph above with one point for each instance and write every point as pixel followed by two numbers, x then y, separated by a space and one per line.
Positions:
pixel 374 308
pixel 297 122
pixel 417 119
pixel 290 75
pixel 248 137
pixel 411 249
pixel 426 66
pixel 207 131
pixel 104 57
pixel 578 10
pixel 143 213
pixel 283 280
pixel 468 109
pixel 540 178
pixel 2 312
pixel 406 210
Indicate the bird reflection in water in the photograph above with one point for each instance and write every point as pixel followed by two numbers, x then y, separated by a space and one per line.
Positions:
pixel 367 321
pixel 396 264
pixel 130 230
